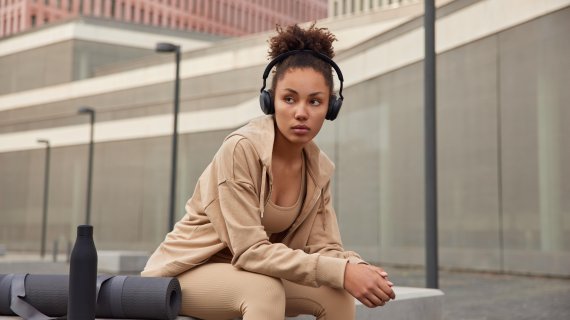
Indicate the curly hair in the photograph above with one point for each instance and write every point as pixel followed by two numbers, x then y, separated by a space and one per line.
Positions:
pixel 294 38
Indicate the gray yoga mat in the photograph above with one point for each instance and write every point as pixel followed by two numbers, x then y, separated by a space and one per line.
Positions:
pixel 120 297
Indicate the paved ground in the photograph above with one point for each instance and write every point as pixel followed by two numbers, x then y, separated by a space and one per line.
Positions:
pixel 468 295
pixel 486 296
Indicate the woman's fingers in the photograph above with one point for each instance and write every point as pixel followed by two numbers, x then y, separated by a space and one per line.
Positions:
pixel 381 294
pixel 376 299
pixel 368 285
pixel 389 283
pixel 365 301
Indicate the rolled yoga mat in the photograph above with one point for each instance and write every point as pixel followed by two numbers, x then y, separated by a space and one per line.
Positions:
pixel 119 297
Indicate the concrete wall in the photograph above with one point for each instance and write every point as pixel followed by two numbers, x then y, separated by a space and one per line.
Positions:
pixel 501 129
pixel 20 70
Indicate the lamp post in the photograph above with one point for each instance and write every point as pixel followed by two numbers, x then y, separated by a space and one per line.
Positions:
pixel 91 113
pixel 46 193
pixel 169 47
pixel 432 277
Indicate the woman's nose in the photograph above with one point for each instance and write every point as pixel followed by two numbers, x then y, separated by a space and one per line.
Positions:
pixel 301 112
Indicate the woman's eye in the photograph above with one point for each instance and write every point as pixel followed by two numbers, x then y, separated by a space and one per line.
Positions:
pixel 289 100
pixel 315 102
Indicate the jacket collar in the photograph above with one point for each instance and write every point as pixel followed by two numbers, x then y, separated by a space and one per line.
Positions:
pixel 261 133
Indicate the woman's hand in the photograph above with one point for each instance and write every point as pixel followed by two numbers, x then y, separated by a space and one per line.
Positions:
pixel 369 284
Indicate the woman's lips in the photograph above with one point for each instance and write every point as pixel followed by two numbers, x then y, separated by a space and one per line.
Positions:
pixel 300 129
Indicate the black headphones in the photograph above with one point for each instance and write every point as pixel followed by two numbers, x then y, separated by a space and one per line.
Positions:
pixel 266 101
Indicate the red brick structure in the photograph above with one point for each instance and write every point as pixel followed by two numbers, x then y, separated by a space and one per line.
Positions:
pixel 223 17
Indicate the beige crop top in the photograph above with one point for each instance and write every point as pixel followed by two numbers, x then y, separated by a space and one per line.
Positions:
pixel 278 219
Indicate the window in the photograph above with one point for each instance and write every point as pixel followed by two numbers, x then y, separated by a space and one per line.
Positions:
pixel 335 10
pixel 225 14
pixel 33 20
pixel 209 9
pixel 113 8
pixel 240 18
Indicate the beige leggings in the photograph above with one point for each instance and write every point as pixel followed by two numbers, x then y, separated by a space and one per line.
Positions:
pixel 220 291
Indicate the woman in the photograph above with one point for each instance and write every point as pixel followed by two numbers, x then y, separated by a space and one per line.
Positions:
pixel 260 237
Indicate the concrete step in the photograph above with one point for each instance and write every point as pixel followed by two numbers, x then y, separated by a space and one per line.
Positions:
pixel 121 261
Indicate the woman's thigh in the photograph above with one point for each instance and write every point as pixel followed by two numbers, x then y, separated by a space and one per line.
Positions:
pixel 220 291
pixel 323 302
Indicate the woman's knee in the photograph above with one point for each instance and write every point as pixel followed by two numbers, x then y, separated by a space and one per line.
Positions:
pixel 265 288
pixel 323 302
pixel 336 301
pixel 264 298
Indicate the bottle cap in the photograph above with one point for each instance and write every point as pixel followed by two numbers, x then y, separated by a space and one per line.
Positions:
pixel 85 230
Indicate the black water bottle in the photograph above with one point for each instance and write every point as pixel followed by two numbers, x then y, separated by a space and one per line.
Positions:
pixel 82 276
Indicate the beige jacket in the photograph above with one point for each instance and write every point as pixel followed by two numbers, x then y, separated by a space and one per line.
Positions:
pixel 226 209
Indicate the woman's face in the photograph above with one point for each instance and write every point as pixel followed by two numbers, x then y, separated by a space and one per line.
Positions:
pixel 301 104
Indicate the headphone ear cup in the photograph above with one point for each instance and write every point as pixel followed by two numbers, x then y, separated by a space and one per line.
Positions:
pixel 266 102
pixel 334 108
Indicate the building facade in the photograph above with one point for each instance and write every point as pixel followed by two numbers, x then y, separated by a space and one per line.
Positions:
pixel 502 114
pixel 222 17
pixel 339 8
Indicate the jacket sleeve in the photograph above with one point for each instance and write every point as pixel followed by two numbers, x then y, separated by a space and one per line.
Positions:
pixel 325 235
pixel 236 217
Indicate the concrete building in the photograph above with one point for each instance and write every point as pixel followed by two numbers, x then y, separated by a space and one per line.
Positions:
pixel 339 8
pixel 222 17
pixel 502 125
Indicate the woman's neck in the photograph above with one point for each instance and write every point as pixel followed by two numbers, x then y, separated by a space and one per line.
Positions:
pixel 285 150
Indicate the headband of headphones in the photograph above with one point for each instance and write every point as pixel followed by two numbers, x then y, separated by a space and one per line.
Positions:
pixel 319 55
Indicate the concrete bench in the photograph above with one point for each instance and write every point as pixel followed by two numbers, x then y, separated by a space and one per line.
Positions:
pixel 121 262
pixel 410 303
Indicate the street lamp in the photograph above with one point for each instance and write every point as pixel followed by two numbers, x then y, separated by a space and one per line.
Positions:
pixel 169 47
pixel 46 192
pixel 91 113
pixel 430 128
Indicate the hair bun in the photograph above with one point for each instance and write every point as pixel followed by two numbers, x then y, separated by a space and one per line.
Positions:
pixel 294 38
